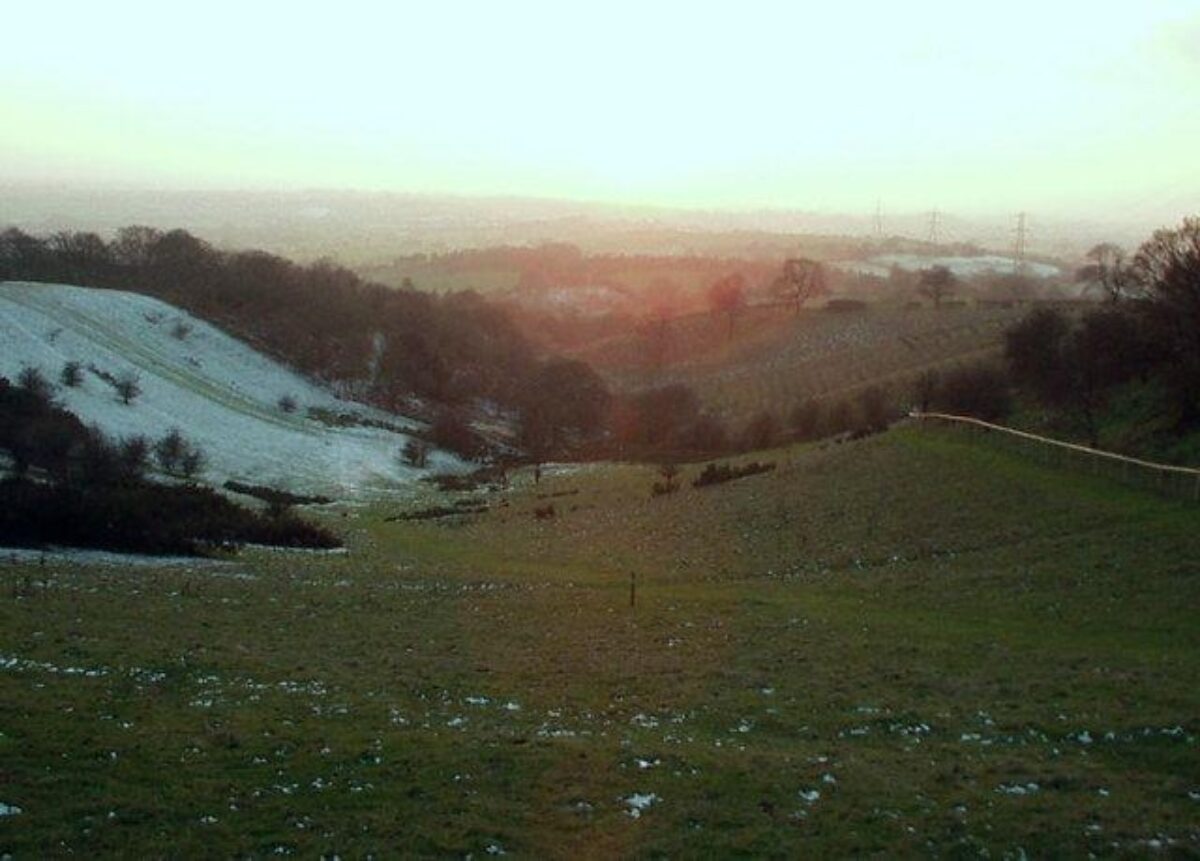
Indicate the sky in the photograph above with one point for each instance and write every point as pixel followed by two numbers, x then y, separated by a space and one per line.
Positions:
pixel 966 106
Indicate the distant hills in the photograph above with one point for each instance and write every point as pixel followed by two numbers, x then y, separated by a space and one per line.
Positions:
pixel 360 228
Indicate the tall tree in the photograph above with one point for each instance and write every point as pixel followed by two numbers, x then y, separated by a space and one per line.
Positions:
pixel 728 296
pixel 1166 273
pixel 802 279
pixel 1105 270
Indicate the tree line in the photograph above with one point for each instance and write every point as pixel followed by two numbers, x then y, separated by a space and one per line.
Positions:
pixel 384 345
pixel 70 484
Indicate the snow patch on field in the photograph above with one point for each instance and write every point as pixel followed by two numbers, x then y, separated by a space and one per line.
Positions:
pixel 220 392
pixel 74 556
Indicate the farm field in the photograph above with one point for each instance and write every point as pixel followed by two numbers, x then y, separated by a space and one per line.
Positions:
pixel 775 359
pixel 907 645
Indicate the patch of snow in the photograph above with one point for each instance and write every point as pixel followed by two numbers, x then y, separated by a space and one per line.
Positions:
pixel 220 392
pixel 639 802
pixel 810 796
pixel 9 809
pixel 55 555
pixel 1018 788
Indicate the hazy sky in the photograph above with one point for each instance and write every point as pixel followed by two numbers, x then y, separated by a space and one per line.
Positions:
pixel 968 106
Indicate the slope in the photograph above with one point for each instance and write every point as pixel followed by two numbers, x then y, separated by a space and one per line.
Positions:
pixel 911 645
pixel 222 394
pixel 774 359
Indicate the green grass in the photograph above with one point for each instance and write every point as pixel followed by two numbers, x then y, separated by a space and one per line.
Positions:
pixel 924 618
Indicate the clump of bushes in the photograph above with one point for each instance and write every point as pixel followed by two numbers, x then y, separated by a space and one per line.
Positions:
pixel 176 455
pixel 74 486
pixel 415 452
pixel 719 473
pixel 71 374
pixel 981 391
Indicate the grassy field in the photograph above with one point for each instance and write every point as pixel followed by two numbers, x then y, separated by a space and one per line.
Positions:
pixel 775 359
pixel 908 645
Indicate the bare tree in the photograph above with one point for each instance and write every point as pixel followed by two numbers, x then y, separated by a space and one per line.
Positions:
pixel 802 279
pixel 728 296
pixel 1166 272
pixel 34 381
pixel 127 387
pixel 1105 271
pixel 192 463
pixel 936 283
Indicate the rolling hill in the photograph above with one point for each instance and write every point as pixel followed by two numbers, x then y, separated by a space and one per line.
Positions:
pixel 775 359
pixel 232 401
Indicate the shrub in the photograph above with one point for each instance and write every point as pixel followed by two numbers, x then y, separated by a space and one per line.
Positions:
pixel 34 381
pixel 981 391
pixel 192 463
pixel 71 374
pixel 176 455
pixel 719 473
pixel 127 387
pixel 169 450
pixel 287 404
pixel 415 452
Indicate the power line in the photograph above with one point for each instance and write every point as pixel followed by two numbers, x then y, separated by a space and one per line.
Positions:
pixel 935 219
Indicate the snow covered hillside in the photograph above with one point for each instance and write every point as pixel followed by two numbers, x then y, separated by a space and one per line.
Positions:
pixel 223 395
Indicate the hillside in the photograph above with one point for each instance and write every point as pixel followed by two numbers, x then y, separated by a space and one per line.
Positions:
pixel 775 359
pixel 222 394
pixel 914 644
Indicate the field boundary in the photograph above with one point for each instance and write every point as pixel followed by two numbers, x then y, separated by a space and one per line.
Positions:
pixel 1171 480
